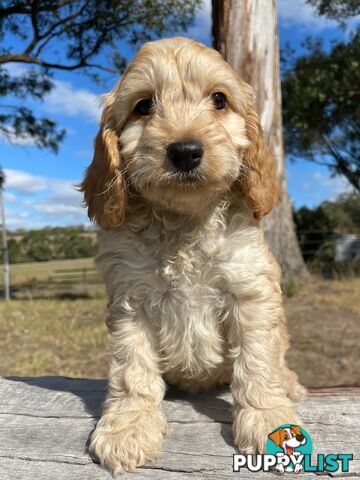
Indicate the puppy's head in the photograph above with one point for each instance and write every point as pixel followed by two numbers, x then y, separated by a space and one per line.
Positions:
pixel 288 438
pixel 180 130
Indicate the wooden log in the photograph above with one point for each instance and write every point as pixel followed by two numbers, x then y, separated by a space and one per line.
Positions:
pixel 45 424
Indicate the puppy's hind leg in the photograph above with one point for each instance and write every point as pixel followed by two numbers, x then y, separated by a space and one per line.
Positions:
pixel 130 431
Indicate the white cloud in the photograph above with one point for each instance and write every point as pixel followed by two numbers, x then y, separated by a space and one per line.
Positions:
pixel 23 182
pixel 84 153
pixel 56 213
pixel 16 69
pixel 64 98
pixel 201 29
pixel 318 176
pixel 335 185
pixel 306 187
pixel 12 139
pixel 319 187
pixel 301 14
pixel 16 219
pixel 42 212
pixel 28 184
pixel 72 102
pixel 56 208
pixel 24 220
pixel 10 197
pixel 291 13
pixel 43 201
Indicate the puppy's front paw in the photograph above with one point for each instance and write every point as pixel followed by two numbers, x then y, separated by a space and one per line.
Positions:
pixel 122 445
pixel 252 426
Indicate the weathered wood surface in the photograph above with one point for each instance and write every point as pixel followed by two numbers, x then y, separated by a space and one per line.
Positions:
pixel 45 424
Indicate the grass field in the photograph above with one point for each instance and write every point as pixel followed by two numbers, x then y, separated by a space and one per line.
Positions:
pixel 26 272
pixel 58 279
pixel 324 324
pixel 52 337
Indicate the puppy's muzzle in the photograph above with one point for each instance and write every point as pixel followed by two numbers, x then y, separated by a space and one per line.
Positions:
pixel 185 155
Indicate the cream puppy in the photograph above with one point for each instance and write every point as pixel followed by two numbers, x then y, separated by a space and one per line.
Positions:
pixel 180 178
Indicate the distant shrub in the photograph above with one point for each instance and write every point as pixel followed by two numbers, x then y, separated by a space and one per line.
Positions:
pixel 52 244
pixel 291 287
pixel 321 231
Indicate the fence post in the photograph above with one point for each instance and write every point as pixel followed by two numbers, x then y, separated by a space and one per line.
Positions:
pixel 4 248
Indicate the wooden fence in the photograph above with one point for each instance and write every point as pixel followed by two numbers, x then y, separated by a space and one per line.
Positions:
pixel 62 283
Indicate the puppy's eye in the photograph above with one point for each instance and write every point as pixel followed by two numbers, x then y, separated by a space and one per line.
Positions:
pixel 143 107
pixel 219 100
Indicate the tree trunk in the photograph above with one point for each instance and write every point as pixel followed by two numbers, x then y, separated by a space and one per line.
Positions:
pixel 246 34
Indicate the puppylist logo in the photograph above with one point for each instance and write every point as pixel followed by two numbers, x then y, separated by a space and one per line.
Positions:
pixel 289 449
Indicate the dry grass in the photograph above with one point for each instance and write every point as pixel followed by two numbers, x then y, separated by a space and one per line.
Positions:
pixel 52 337
pixel 323 321
pixel 26 272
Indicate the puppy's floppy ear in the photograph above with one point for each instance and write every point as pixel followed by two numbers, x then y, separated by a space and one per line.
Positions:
pixel 104 183
pixel 276 437
pixel 259 183
pixel 296 429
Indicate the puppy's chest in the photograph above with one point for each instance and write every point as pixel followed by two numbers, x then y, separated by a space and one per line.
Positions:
pixel 185 274
pixel 187 282
pixel 186 308
pixel 175 282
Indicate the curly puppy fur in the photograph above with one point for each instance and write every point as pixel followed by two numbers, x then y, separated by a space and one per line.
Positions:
pixel 194 295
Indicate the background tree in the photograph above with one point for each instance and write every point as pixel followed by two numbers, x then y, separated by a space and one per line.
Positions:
pixel 36 246
pixel 320 228
pixel 321 98
pixel 246 34
pixel 321 95
pixel 336 9
pixel 52 244
pixel 69 35
pixel 72 243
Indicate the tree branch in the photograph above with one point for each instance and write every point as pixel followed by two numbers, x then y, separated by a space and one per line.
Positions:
pixel 21 58
pixel 313 160
pixel 49 35
pixel 342 165
pixel 35 26
pixel 21 10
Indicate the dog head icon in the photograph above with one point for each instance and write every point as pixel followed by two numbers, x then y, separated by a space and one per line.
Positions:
pixel 288 438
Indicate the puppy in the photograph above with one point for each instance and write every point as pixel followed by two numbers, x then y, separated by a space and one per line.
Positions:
pixel 180 178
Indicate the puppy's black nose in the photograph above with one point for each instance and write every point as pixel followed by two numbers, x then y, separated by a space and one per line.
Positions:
pixel 185 155
pixel 300 438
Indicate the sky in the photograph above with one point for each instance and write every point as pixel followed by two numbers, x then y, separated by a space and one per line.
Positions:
pixel 40 186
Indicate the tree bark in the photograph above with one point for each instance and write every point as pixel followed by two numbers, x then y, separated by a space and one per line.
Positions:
pixel 246 34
